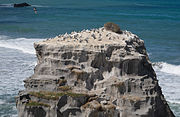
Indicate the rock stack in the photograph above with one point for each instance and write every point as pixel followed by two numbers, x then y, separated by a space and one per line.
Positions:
pixel 92 73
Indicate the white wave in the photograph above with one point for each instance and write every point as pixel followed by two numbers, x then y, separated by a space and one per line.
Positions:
pixel 38 6
pixel 167 68
pixel 174 101
pixel 6 5
pixel 14 115
pixel 169 79
pixel 23 44
pixel 1 101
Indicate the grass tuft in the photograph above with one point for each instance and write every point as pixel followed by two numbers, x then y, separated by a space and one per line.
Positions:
pixel 55 95
pixel 34 103
pixel 64 88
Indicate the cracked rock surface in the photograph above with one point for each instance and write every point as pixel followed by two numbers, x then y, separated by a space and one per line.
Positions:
pixel 92 73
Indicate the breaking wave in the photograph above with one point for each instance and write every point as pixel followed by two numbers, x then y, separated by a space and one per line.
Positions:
pixel 167 68
pixel 25 45
pixel 169 79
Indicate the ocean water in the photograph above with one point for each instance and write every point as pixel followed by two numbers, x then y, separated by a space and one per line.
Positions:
pixel 157 22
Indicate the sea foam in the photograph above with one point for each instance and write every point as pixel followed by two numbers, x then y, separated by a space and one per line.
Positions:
pixel 25 45
pixel 167 68
pixel 6 5
pixel 169 80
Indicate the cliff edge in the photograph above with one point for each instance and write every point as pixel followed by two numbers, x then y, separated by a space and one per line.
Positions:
pixel 92 73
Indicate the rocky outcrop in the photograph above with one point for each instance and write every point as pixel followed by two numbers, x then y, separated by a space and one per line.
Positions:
pixel 92 73
pixel 21 5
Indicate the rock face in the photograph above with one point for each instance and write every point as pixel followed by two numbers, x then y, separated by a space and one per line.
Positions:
pixel 92 73
pixel 22 5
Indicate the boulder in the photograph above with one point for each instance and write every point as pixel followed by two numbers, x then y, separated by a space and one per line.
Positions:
pixel 22 4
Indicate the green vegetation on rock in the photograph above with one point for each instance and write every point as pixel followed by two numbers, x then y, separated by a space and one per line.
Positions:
pixel 34 103
pixel 55 95
pixel 64 88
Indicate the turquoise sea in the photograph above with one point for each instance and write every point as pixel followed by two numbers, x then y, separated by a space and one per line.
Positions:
pixel 157 22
